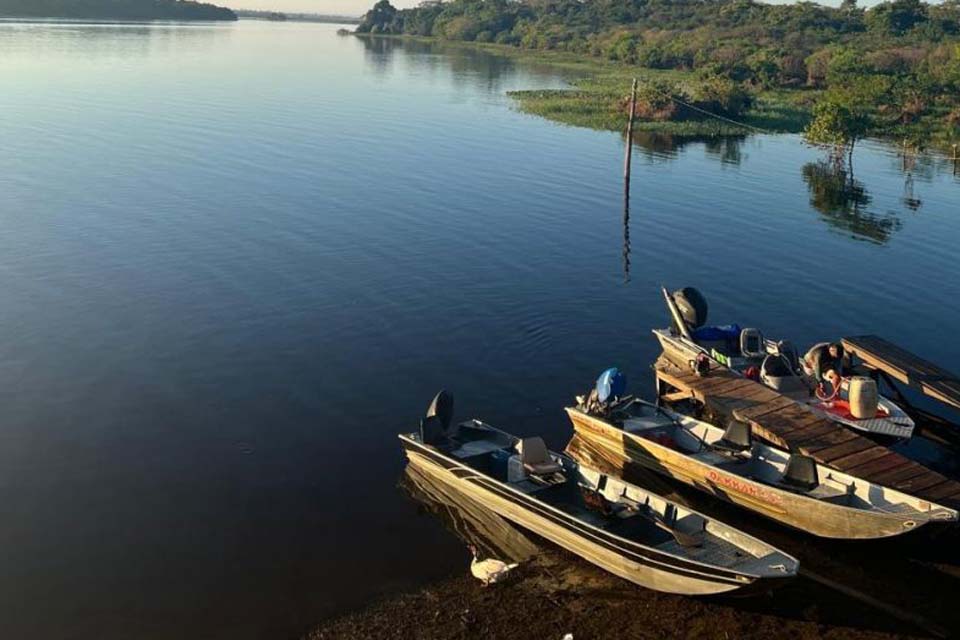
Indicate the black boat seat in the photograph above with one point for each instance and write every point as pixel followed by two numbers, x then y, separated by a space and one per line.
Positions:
pixel 800 474
pixel 535 457
pixel 736 437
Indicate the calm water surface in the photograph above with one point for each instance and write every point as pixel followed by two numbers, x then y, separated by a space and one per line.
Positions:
pixel 236 260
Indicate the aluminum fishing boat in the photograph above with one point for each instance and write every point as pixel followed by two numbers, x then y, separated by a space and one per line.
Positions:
pixel 729 464
pixel 626 530
pixel 776 364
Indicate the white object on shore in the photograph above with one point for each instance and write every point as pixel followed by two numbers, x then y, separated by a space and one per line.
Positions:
pixel 490 570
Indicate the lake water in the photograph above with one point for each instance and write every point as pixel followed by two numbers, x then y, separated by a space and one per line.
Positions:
pixel 237 259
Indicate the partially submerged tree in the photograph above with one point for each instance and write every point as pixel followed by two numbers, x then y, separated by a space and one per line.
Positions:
pixel 838 124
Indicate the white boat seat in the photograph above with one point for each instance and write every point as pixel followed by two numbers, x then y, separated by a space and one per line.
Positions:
pixel 535 457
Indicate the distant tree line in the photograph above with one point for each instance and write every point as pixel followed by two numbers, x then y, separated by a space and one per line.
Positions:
pixel 887 66
pixel 115 10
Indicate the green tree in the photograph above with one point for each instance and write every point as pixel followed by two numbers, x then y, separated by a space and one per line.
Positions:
pixel 897 17
pixel 380 19
pixel 837 123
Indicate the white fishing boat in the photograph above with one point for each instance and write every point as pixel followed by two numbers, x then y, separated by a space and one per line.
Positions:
pixel 731 465
pixel 622 528
pixel 776 364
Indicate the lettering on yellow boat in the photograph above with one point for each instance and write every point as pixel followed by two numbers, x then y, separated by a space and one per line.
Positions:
pixel 745 488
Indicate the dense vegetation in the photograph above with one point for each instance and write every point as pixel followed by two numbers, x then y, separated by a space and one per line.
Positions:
pixel 115 10
pixel 893 68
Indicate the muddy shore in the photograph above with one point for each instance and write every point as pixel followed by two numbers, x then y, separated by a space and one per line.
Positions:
pixel 555 594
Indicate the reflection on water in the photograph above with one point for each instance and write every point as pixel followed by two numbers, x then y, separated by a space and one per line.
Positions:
pixel 466 66
pixel 657 145
pixel 843 201
pixel 909 167
pixel 493 536
pixel 626 238
pixel 30 39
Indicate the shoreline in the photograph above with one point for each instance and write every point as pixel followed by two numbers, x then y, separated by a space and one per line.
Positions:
pixel 556 593
pixel 593 100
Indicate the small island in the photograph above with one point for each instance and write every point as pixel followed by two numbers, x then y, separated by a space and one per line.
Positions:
pixel 114 10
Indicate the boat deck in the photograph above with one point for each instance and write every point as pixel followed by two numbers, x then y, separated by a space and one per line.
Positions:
pixel 791 425
pixel 912 370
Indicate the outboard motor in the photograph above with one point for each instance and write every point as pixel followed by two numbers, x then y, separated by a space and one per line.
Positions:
pixel 442 408
pixel 611 385
pixel 434 426
pixel 692 306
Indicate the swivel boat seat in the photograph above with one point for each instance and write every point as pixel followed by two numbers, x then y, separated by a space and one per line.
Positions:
pixel 800 474
pixel 736 439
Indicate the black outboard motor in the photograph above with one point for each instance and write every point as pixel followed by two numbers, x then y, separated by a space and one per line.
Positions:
pixel 692 306
pixel 434 426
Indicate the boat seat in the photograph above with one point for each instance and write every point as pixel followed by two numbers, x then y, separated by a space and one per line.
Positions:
pixel 737 438
pixel 752 344
pixel 535 457
pixel 800 474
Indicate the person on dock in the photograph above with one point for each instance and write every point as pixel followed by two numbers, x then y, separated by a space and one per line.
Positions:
pixel 824 362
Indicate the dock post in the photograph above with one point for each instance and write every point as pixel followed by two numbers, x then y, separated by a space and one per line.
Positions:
pixel 627 153
pixel 956 161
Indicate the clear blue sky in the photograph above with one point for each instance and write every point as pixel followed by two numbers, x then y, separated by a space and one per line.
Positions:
pixel 358 7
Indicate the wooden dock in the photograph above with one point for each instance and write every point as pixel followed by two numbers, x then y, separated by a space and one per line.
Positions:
pixel 791 425
pixel 879 355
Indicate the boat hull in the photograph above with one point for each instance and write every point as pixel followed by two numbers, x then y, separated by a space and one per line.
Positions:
pixel 813 516
pixel 629 561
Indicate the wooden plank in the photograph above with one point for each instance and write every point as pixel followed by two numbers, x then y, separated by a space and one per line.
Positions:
pixel 853 459
pixel 677 396
pixel 715 385
pixel 915 486
pixel 940 491
pixel 751 415
pixel 899 474
pixel 827 440
pixel 910 369
pixel 812 434
pixel 868 469
pixel 827 456
pixel 790 422
pixel 729 388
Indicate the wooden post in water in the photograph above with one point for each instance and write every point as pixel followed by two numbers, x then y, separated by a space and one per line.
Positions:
pixel 956 161
pixel 626 182
pixel 626 158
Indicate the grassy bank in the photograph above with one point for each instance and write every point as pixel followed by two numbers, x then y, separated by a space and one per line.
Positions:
pixel 599 91
pixel 598 101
